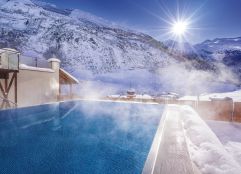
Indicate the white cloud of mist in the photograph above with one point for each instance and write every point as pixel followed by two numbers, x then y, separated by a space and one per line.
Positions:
pixel 175 77
pixel 124 115
pixel 95 89
pixel 121 112
pixel 192 81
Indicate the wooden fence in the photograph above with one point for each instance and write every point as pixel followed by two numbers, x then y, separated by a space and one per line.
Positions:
pixel 222 110
pixel 214 110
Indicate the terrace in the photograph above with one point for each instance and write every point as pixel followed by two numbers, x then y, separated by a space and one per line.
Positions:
pixel 9 68
pixel 20 75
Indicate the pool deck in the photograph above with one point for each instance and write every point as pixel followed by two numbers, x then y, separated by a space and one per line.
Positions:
pixel 169 152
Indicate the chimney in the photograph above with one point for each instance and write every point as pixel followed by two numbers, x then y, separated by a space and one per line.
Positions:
pixel 54 63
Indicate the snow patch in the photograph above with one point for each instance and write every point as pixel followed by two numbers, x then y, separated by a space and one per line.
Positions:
pixel 206 151
pixel 80 15
pixel 234 148
pixel 237 39
pixel 42 3
pixel 235 95
pixel 229 134
pixel 31 68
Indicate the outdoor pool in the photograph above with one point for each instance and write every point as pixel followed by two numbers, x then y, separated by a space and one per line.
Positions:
pixel 84 137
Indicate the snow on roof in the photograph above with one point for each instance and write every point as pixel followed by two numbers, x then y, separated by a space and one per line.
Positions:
pixel 204 98
pixel 54 60
pixel 114 96
pixel 131 90
pixel 168 96
pixel 144 96
pixel 123 96
pixel 220 98
pixel 69 75
pixel 8 50
pixel 188 97
pixel 31 68
pixel 235 95
pixel 2 51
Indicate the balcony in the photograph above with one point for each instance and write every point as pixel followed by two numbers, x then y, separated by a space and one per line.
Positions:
pixel 9 60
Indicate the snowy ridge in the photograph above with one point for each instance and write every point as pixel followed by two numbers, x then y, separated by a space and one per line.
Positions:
pixel 81 15
pixel 43 4
pixel 225 51
pixel 220 44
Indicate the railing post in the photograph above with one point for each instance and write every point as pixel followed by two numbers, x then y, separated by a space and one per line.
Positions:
pixel 36 62
pixel 18 60
pixel 8 61
pixel 233 107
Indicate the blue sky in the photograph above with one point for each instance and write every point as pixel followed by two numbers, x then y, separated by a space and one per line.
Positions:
pixel 208 18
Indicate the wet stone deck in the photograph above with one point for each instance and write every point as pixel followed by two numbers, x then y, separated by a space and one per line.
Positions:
pixel 172 155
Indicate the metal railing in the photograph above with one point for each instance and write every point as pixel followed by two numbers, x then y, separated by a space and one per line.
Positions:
pixel 33 61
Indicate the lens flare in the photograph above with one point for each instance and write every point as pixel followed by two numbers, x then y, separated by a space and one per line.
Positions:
pixel 179 28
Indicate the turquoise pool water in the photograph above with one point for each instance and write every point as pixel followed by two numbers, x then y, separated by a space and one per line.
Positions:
pixel 78 137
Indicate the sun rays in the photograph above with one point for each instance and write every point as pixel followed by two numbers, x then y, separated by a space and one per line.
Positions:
pixel 178 25
pixel 179 28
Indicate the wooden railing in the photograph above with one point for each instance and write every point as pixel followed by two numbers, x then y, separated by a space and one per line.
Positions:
pixel 213 110
pixel 221 110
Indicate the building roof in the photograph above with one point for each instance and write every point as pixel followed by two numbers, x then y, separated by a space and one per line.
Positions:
pixel 8 50
pixel 66 78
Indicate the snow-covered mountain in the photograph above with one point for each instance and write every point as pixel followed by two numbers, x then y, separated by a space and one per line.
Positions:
pixel 173 45
pixel 220 44
pixel 81 40
pixel 221 50
pixel 214 49
pixel 224 50
pixel 91 47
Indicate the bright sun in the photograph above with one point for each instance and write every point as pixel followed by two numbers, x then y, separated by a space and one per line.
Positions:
pixel 179 28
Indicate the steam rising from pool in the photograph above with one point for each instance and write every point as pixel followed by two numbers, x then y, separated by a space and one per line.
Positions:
pixel 194 81
pixel 89 136
pixel 180 77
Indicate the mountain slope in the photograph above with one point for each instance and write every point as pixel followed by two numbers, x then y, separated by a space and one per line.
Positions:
pixel 220 44
pixel 93 48
pixel 80 42
pixel 223 50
